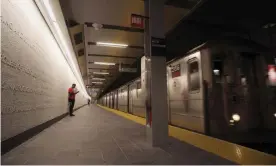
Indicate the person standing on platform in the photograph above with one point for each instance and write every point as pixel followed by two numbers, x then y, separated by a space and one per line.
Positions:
pixel 71 98
pixel 88 101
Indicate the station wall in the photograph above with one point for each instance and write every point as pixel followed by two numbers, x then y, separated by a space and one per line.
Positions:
pixel 35 76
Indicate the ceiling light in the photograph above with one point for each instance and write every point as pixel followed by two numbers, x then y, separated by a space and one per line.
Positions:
pixel 49 9
pixel 100 79
pixel 104 73
pixel 97 82
pixel 111 44
pixel 104 63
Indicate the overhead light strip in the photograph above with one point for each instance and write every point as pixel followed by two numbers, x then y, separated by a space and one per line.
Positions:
pixel 60 39
pixel 100 79
pixel 97 82
pixel 105 63
pixel 103 73
pixel 111 44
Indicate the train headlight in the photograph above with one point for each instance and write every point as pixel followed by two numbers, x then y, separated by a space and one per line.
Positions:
pixel 275 115
pixel 236 117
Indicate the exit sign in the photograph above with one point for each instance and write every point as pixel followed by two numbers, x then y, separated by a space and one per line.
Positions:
pixel 137 21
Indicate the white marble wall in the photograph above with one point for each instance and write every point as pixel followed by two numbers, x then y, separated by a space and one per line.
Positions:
pixel 35 76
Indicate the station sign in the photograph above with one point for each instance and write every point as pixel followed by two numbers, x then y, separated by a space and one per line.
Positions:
pixel 158 46
pixel 137 21
pixel 158 42
pixel 126 69
pixel 175 70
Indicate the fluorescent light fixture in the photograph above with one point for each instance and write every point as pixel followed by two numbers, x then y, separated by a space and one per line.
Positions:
pixel 104 63
pixel 111 44
pixel 100 79
pixel 103 73
pixel 49 9
pixel 97 82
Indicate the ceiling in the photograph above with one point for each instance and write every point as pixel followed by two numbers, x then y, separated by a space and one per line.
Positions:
pixel 114 16
pixel 188 23
pixel 213 19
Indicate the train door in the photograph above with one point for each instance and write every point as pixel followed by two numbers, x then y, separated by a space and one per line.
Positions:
pixel 116 99
pixel 112 100
pixel 168 97
pixel 109 99
pixel 126 97
pixel 270 93
pixel 240 91
pixel 105 102
pixel 130 98
pixel 194 91
pixel 252 81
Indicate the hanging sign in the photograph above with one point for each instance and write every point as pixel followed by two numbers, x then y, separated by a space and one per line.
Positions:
pixel 127 70
pixel 158 46
pixel 137 21
pixel 158 42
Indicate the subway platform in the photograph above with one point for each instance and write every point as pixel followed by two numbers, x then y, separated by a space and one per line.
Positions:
pixel 96 136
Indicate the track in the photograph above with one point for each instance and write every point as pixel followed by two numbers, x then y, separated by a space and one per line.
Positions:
pixel 269 148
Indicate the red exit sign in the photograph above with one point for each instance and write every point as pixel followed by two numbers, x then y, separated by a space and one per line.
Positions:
pixel 137 21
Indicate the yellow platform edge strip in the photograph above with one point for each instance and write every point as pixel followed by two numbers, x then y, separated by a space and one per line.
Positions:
pixel 230 151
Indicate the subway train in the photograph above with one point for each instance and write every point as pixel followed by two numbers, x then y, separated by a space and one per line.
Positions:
pixel 220 88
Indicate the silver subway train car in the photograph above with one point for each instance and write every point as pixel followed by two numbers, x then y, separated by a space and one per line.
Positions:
pixel 219 88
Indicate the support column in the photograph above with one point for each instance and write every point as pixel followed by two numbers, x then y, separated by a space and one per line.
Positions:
pixel 154 74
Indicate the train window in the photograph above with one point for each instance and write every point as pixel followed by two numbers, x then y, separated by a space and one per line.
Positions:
pixel 194 82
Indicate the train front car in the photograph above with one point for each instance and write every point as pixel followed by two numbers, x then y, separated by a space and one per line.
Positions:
pixel 220 89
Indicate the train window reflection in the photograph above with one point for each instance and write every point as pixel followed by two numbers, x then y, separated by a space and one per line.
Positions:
pixel 217 70
pixel 139 85
pixel 194 82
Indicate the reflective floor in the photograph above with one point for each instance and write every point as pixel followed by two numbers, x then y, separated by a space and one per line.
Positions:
pixel 95 136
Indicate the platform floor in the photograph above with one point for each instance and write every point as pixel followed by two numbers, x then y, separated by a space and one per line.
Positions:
pixel 96 136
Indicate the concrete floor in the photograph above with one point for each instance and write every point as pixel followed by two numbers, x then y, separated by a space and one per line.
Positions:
pixel 95 136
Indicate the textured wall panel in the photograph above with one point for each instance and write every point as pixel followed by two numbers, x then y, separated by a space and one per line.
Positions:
pixel 35 75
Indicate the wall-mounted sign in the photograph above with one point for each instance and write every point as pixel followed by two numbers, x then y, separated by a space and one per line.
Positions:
pixel 137 21
pixel 175 71
pixel 158 42
pixel 127 69
pixel 158 47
